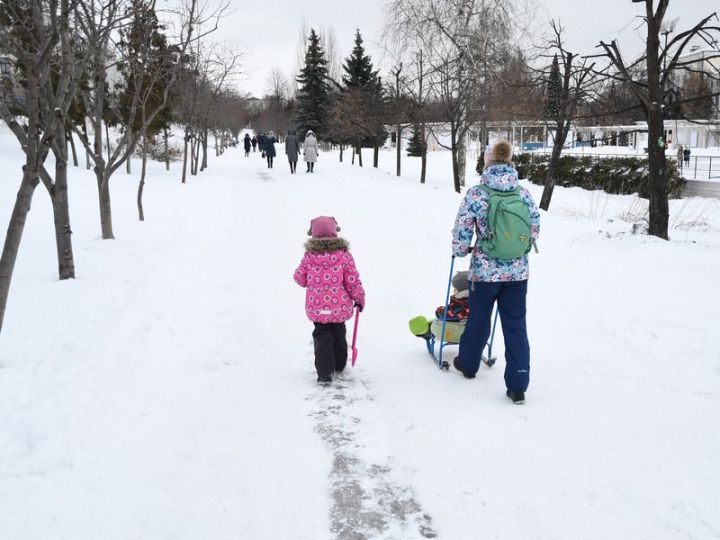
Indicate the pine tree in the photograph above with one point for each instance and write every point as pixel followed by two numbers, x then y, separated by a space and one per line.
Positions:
pixel 358 66
pixel 416 145
pixel 553 92
pixel 363 84
pixel 313 97
pixel 146 71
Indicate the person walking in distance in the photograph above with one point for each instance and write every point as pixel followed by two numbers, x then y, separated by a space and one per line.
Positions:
pixel 292 149
pixel 269 148
pixel 247 144
pixel 310 151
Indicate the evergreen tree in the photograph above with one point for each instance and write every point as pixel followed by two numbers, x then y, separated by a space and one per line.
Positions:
pixel 358 67
pixel 416 145
pixel 553 92
pixel 146 70
pixel 363 88
pixel 313 96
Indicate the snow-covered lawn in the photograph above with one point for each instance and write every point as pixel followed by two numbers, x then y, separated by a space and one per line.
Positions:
pixel 169 391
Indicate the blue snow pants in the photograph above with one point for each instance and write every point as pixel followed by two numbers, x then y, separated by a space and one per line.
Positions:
pixel 510 297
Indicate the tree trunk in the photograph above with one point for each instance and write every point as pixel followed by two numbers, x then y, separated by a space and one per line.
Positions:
pixel 167 149
pixel 423 154
pixel 461 160
pixel 197 142
pixel 561 131
pixel 105 206
pixel 185 158
pixel 69 137
pixel 14 234
pixel 398 148
pixel 341 152
pixel 193 156
pixel 204 151
pixel 107 140
pixel 128 164
pixel 61 214
pixel 658 180
pixel 376 156
pixel 454 153
pixel 353 156
pixel 87 154
pixel 657 165
pixel 141 185
pixel 359 154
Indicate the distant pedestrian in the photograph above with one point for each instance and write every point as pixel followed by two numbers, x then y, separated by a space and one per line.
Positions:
pixel 269 148
pixel 686 156
pixel 247 144
pixel 680 155
pixel 254 142
pixel 292 149
pixel 261 145
pixel 310 151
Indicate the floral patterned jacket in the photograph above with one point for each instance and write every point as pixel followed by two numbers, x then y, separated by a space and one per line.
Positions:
pixel 472 218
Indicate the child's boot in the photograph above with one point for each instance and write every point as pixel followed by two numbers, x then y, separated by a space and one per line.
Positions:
pixel 420 327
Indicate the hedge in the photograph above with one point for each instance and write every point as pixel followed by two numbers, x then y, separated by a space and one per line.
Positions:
pixel 621 175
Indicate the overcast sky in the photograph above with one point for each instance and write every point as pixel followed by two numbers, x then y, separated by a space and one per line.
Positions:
pixel 268 30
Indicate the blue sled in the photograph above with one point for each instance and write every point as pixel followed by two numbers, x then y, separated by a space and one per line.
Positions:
pixel 488 360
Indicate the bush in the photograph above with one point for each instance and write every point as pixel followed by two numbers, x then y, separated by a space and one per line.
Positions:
pixel 156 149
pixel 621 175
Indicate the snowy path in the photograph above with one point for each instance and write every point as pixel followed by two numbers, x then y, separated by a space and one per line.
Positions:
pixel 169 391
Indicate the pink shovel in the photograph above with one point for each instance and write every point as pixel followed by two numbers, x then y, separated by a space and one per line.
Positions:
pixel 354 341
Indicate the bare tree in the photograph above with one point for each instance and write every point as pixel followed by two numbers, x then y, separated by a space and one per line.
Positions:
pixel 98 24
pixel 33 31
pixel 461 40
pixel 576 82
pixel 399 109
pixel 649 78
pixel 277 87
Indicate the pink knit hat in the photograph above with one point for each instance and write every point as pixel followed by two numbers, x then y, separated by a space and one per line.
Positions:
pixel 323 227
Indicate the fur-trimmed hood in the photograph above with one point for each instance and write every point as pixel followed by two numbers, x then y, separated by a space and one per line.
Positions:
pixel 326 245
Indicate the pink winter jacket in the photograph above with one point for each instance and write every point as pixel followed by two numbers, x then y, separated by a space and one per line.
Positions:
pixel 333 283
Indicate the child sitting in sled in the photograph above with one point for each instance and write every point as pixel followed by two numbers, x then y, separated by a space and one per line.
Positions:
pixel 457 314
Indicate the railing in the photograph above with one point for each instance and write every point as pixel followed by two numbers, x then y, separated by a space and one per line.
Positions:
pixel 701 168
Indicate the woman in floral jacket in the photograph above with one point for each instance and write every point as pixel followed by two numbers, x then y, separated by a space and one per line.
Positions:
pixel 495 280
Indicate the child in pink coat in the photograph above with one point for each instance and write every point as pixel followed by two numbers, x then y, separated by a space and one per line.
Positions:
pixel 328 272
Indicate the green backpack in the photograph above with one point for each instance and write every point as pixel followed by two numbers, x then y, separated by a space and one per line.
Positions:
pixel 508 219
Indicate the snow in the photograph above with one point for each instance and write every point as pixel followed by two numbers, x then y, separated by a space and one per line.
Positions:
pixel 169 392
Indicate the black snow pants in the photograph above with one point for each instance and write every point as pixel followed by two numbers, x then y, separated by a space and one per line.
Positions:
pixel 331 350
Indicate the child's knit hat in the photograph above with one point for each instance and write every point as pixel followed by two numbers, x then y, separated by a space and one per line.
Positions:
pixel 323 227
pixel 460 281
